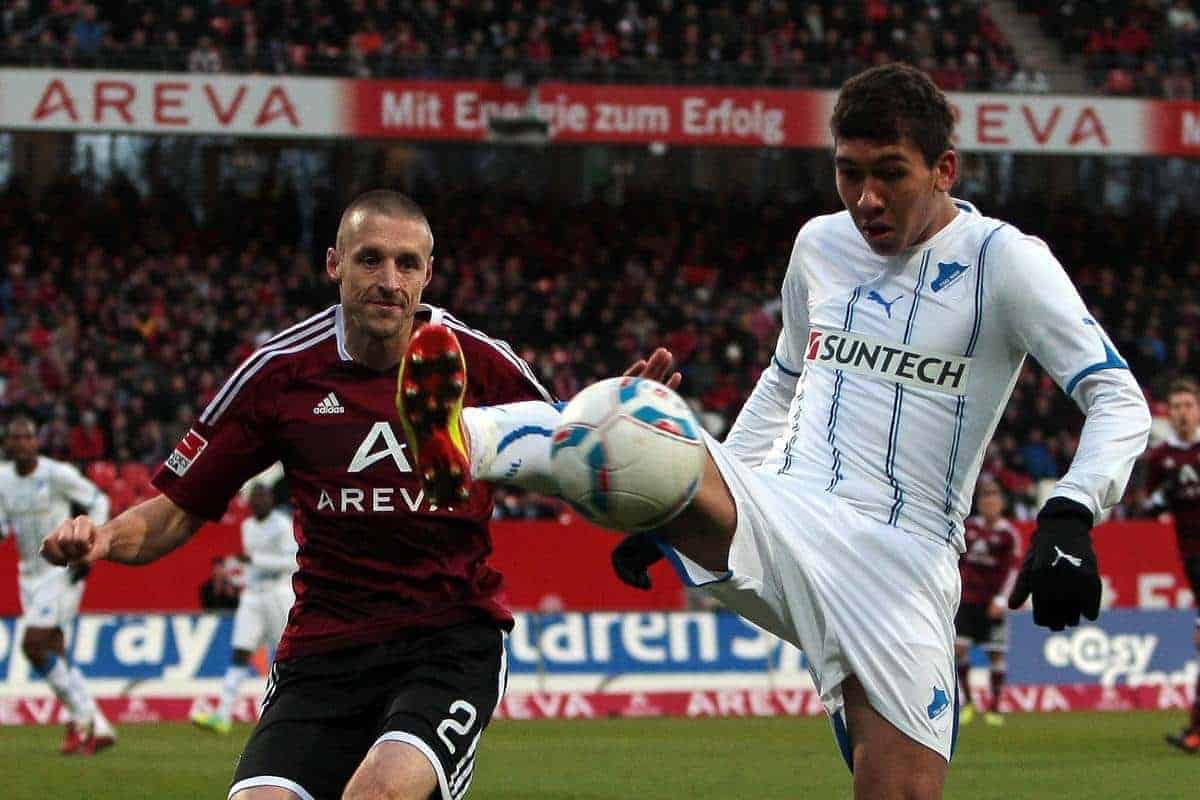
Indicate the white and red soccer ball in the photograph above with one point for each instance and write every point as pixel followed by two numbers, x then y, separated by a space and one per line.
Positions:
pixel 627 454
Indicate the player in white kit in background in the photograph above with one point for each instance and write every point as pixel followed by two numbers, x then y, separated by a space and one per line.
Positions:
pixel 36 494
pixel 264 603
pixel 833 514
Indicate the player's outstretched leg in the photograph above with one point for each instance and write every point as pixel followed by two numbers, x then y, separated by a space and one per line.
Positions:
pixel 429 396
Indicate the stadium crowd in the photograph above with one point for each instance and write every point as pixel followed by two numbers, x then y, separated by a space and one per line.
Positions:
pixel 117 328
pixel 749 41
pixel 1148 48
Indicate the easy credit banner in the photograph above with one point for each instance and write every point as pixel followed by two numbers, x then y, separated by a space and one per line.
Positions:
pixel 256 105
pixel 1122 648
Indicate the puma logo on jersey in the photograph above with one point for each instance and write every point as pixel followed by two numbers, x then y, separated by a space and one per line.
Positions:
pixel 1074 561
pixel 853 352
pixel 876 297
pixel 329 405
pixel 948 273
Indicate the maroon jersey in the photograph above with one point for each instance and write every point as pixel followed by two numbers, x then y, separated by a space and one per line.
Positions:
pixel 1173 468
pixel 989 565
pixel 375 556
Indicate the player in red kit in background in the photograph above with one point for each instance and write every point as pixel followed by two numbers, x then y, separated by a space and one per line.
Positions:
pixel 392 661
pixel 1173 480
pixel 989 569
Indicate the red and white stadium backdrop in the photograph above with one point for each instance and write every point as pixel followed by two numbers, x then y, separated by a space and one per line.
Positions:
pixel 551 566
pixel 255 105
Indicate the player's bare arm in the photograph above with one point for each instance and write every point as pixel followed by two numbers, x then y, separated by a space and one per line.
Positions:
pixel 144 533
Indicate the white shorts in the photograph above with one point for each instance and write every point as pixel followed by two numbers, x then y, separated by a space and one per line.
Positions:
pixel 859 597
pixel 261 616
pixel 49 599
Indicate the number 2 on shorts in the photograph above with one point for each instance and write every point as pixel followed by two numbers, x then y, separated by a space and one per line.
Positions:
pixel 452 723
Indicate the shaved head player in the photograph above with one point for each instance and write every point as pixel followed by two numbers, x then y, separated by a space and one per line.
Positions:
pixel 392 661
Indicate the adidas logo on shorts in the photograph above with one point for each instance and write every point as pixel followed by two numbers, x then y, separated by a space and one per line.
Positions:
pixel 329 405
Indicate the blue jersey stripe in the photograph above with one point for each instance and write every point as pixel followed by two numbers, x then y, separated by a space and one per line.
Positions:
pixel 979 292
pixel 847 323
pixel 889 463
pixel 959 414
pixel 1111 360
pixel 898 400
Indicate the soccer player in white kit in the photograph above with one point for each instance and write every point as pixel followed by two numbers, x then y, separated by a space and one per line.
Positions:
pixel 36 494
pixel 833 514
pixel 265 600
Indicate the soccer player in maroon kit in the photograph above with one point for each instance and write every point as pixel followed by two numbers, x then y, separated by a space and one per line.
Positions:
pixel 1173 478
pixel 989 569
pixel 392 662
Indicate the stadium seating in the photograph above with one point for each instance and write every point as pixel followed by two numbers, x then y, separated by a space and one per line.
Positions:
pixel 144 336
pixel 798 44
pixel 1150 49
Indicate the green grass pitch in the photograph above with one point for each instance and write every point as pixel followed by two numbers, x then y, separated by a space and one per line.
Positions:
pixel 1109 756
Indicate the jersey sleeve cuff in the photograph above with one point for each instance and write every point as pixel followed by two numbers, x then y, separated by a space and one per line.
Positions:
pixel 691 573
pixel 1084 499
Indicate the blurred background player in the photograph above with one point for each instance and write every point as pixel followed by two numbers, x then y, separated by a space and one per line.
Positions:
pixel 392 662
pixel 1173 479
pixel 37 493
pixel 265 599
pixel 989 569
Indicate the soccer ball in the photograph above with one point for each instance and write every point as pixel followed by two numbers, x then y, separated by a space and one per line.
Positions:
pixel 627 454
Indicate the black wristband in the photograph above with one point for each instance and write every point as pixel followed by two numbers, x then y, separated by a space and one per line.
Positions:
pixel 1065 508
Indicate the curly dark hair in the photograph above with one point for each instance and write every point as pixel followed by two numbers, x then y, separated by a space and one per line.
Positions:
pixel 888 103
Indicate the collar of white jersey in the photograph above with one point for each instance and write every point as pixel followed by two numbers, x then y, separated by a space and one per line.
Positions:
pixel 963 210
pixel 435 316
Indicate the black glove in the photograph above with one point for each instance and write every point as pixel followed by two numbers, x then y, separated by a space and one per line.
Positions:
pixel 633 557
pixel 1060 569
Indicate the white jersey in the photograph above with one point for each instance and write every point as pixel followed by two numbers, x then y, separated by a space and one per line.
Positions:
pixel 890 374
pixel 271 548
pixel 33 505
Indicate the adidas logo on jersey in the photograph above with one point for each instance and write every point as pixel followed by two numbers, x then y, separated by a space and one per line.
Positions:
pixel 329 405
pixel 901 363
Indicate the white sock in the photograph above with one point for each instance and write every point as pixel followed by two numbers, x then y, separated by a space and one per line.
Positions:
pixel 80 695
pixel 59 678
pixel 510 444
pixel 234 676
pixel 101 725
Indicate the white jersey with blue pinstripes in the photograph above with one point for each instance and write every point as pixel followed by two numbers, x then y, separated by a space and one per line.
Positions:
pixel 891 373
pixel 33 505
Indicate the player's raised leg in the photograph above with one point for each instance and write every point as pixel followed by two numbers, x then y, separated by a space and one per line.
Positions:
pixel 703 533
pixel 511 443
